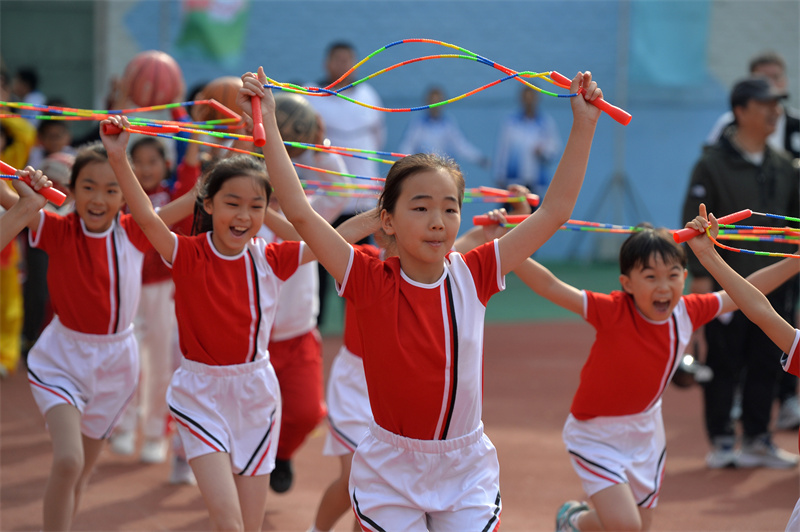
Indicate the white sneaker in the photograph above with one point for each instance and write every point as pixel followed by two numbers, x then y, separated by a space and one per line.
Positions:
pixel 123 443
pixel 154 451
pixel 788 415
pixel 762 452
pixel 723 453
pixel 181 472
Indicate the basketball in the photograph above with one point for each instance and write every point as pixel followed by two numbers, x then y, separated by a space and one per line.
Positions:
pixel 297 120
pixel 152 78
pixel 224 90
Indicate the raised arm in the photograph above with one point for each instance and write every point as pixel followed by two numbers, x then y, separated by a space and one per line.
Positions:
pixel 332 251
pixel 753 303
pixel 141 208
pixel 22 203
pixel 24 207
pixel 556 208
pixel 544 283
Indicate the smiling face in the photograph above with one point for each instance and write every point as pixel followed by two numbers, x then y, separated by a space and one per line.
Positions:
pixel 656 286
pixel 424 222
pixel 98 197
pixel 237 210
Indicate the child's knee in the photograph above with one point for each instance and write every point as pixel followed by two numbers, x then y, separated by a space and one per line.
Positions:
pixel 67 466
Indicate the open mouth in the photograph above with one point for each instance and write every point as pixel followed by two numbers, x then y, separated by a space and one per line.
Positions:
pixel 95 213
pixel 238 231
pixel 661 305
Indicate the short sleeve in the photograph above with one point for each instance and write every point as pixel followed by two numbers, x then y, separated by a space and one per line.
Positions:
pixel 366 278
pixel 601 309
pixel 135 233
pixel 702 308
pixel 791 361
pixel 484 264
pixel 48 230
pixel 284 258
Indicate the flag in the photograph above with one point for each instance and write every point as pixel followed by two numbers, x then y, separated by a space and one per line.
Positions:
pixel 216 27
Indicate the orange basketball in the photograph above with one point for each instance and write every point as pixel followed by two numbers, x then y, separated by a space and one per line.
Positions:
pixel 152 78
pixel 224 90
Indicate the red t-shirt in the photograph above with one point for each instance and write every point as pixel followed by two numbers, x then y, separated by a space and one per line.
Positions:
pixel 94 279
pixel 225 306
pixel 352 336
pixel 633 358
pixel 423 343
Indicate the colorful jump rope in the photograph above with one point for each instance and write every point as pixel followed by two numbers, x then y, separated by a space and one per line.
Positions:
pixel 220 129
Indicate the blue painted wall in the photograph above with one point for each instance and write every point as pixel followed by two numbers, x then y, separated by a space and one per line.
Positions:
pixel 673 99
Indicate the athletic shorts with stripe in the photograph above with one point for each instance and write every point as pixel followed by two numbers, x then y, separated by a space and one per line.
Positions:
pixel 233 409
pixel 349 413
pixel 96 373
pixel 399 483
pixel 606 451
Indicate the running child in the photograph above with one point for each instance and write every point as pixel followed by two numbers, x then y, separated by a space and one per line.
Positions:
pixel 155 320
pixel 616 440
pixel 347 399
pixel 752 303
pixel 84 367
pixel 224 397
pixel 426 462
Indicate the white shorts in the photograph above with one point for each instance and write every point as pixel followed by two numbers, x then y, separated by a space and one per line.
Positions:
pixel 399 483
pixel 606 451
pixel 232 409
pixel 794 521
pixel 96 373
pixel 349 412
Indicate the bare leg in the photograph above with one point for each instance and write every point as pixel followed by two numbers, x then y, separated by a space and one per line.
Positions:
pixel 91 452
pixel 336 499
pixel 63 423
pixel 215 480
pixel 614 509
pixel 253 500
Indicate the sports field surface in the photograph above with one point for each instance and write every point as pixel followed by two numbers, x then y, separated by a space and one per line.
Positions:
pixel 531 372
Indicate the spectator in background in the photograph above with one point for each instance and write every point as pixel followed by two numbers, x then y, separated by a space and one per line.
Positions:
pixel 25 87
pixel 528 143
pixel 347 124
pixel 350 126
pixel 741 171
pixel 786 137
pixel 434 132
pixel 52 136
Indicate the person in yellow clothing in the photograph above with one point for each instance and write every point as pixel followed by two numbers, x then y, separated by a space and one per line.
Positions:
pixel 17 137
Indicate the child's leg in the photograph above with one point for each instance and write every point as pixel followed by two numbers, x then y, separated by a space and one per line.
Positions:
pixel 298 365
pixel 336 500
pixel 156 349
pixel 63 423
pixel 614 509
pixel 252 499
pixel 91 452
pixel 215 480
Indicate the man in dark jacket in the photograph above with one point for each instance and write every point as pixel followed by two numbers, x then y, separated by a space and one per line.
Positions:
pixel 740 171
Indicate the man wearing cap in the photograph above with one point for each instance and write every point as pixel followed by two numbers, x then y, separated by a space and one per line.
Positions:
pixel 770 65
pixel 741 171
